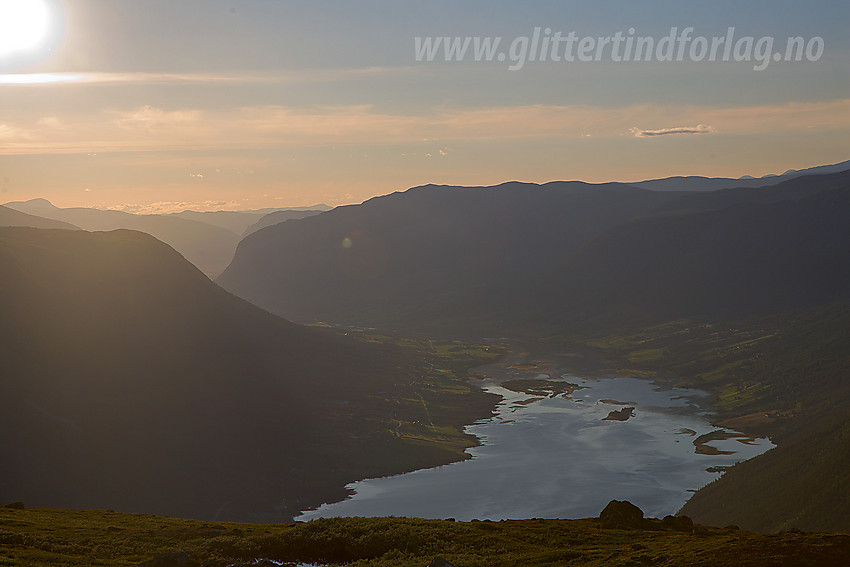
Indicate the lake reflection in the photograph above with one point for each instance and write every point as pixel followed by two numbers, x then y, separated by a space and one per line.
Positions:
pixel 557 457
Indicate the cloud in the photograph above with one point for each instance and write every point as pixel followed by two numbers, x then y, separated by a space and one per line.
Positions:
pixel 167 207
pixel 698 129
pixel 154 129
pixel 8 132
pixel 288 76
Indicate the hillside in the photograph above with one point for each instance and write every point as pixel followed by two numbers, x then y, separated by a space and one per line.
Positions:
pixel 278 217
pixel 748 259
pixel 131 382
pixel 429 257
pixel 208 247
pixel 36 538
pixel 808 482
pixel 538 259
pixel 11 217
pixel 742 292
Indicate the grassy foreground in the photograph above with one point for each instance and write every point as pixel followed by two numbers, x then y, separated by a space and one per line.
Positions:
pixel 41 537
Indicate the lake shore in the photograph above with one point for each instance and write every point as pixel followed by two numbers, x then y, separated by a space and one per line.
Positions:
pixel 536 392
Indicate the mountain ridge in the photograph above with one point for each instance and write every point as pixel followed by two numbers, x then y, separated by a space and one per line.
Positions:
pixel 131 382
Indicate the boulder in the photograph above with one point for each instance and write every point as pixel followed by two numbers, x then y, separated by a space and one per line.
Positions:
pixel 439 562
pixel 621 514
pixel 678 523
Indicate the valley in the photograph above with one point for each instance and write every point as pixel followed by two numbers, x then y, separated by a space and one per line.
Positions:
pixel 126 366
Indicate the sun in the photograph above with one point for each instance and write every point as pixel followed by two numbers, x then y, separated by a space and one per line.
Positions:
pixel 24 24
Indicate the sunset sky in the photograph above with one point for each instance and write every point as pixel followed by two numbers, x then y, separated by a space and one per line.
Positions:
pixel 161 105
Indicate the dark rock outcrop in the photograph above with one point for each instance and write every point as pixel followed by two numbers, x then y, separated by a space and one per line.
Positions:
pixel 439 562
pixel 622 514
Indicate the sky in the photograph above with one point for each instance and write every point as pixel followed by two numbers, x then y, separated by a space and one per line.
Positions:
pixel 164 105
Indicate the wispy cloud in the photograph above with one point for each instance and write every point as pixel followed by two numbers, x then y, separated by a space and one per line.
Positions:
pixel 283 76
pixel 698 129
pixel 150 128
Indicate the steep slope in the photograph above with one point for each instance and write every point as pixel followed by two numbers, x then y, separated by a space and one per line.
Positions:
pixel 209 247
pixel 430 257
pixel 11 217
pixel 801 484
pixel 805 481
pixel 131 382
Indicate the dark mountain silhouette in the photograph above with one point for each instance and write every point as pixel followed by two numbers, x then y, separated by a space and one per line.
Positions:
pixel 748 259
pixel 432 255
pixel 240 222
pixel 11 217
pixel 278 217
pixel 697 183
pixel 129 381
pixel 520 256
pixel 788 190
pixel 209 247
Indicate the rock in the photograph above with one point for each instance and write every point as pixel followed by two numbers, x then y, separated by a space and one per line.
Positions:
pixel 174 559
pixel 678 523
pixel 439 562
pixel 621 514
pixel 15 505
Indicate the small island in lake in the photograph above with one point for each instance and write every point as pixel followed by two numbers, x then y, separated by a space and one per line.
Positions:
pixel 540 387
pixel 621 414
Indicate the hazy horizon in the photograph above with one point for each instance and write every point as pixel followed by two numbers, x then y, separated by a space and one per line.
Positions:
pixel 224 105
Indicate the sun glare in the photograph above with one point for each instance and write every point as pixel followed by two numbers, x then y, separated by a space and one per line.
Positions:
pixel 24 24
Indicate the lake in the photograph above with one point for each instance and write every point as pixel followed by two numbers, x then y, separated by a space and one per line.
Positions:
pixel 547 454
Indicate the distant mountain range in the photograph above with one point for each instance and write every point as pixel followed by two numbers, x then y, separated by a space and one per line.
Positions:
pixel 696 183
pixel 207 239
pixel 239 222
pixel 278 217
pixel 11 217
